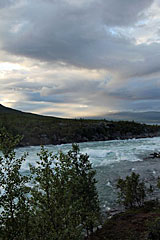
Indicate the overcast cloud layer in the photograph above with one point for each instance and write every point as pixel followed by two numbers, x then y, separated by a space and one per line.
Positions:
pixel 77 58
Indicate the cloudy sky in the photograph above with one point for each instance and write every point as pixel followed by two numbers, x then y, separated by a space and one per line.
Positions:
pixel 78 58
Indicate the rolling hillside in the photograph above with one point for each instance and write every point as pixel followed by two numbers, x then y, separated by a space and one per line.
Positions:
pixel 37 129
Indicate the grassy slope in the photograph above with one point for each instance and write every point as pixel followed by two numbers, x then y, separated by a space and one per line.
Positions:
pixel 38 129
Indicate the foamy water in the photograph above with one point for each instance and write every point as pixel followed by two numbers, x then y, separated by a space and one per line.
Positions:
pixel 104 152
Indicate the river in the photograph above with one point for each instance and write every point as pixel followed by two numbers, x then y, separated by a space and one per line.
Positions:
pixel 111 159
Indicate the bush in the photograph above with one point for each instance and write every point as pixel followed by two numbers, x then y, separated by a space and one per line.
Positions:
pixel 64 195
pixel 132 191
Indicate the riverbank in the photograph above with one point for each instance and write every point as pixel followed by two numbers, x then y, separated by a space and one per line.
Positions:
pixel 136 224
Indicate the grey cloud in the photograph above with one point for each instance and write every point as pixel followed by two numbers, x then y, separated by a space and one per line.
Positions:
pixel 122 12
pixel 7 3
pixel 61 31
pixel 137 89
pixel 37 97
pixel 84 86
pixel 73 93
pixel 150 62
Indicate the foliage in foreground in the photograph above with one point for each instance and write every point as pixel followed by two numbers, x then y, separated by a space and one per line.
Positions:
pixel 56 200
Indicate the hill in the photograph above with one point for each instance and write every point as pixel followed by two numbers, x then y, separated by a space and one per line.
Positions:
pixel 37 129
pixel 4 109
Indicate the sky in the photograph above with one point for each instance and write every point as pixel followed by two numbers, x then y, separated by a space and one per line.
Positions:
pixel 78 58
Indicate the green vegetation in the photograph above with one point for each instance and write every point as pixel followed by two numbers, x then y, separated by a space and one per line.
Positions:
pixel 14 191
pixel 57 200
pixel 132 191
pixel 141 220
pixel 38 130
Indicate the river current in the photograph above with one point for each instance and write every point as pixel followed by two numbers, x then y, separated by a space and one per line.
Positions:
pixel 111 159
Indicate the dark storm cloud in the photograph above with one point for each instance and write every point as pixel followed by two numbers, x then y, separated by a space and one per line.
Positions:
pixel 77 34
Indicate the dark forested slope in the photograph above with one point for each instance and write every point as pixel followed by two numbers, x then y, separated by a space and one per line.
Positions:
pixel 37 129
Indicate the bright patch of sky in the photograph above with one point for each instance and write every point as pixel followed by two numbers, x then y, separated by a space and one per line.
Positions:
pixel 7 66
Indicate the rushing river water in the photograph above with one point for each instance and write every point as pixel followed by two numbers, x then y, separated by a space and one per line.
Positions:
pixel 111 159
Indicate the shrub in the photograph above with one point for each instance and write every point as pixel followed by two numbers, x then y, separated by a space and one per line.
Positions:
pixel 132 191
pixel 82 185
pixel 64 195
